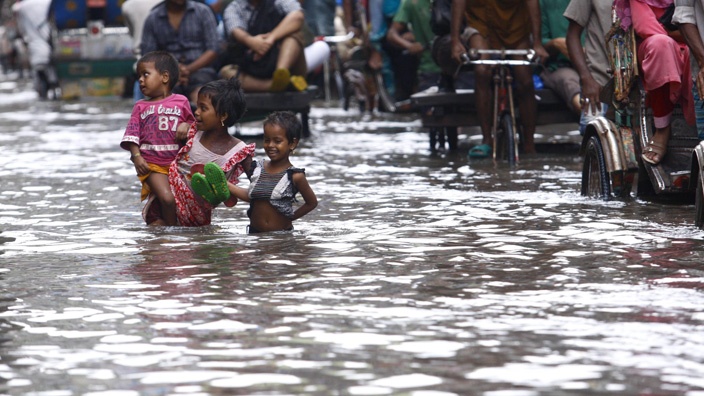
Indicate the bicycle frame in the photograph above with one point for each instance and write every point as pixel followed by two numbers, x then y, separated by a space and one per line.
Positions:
pixel 503 87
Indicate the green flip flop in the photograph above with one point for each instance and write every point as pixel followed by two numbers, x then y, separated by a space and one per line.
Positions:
pixel 217 181
pixel 200 186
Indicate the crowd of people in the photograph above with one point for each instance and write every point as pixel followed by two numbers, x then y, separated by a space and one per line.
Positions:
pixel 260 46
pixel 266 53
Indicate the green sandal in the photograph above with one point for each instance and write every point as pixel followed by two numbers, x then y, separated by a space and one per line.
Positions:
pixel 217 181
pixel 200 185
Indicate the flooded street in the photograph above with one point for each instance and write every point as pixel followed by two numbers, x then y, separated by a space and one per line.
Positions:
pixel 418 274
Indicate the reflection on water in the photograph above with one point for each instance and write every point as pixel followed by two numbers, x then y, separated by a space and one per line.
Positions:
pixel 418 274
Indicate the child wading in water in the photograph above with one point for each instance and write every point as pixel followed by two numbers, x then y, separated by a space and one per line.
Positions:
pixel 151 134
pixel 211 150
pixel 276 182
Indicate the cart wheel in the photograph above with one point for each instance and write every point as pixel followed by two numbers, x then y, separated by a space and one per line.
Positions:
pixel 699 205
pixel 595 178
pixel 506 140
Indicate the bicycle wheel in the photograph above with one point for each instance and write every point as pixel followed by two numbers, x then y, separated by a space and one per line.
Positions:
pixel 595 178
pixel 506 140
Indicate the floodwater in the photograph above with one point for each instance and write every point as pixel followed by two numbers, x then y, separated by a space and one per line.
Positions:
pixel 418 274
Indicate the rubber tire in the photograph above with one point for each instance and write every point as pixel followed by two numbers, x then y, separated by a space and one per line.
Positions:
pixel 699 205
pixel 595 178
pixel 506 140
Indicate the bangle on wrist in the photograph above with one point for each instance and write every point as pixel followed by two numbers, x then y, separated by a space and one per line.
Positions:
pixel 133 156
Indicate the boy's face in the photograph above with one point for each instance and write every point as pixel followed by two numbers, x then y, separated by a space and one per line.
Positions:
pixel 152 83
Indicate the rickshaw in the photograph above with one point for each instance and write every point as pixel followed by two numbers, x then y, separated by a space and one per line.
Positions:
pixel 612 145
pixel 92 48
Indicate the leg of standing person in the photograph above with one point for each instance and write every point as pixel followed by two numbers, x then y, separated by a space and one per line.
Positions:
pixel 483 95
pixel 527 104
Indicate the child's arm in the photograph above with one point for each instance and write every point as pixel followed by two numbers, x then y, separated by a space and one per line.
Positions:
pixel 182 132
pixel 239 192
pixel 309 198
pixel 140 164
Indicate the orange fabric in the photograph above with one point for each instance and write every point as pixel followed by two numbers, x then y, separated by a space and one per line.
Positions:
pixel 505 23
pixel 164 170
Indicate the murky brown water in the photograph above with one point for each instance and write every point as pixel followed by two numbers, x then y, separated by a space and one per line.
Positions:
pixel 418 274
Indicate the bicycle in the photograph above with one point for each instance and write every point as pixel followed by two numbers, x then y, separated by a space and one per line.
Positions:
pixel 503 130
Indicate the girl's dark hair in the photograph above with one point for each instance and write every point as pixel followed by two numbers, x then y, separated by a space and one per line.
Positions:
pixel 164 62
pixel 227 98
pixel 288 121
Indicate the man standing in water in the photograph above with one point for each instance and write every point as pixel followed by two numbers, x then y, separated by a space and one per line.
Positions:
pixel 495 24
pixel 188 30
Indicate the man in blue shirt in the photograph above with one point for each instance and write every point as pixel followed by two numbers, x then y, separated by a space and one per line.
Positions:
pixel 188 30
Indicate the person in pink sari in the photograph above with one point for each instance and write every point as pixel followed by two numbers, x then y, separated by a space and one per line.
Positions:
pixel 663 57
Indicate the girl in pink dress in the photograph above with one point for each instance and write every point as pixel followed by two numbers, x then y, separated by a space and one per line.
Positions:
pixel 664 61
pixel 220 104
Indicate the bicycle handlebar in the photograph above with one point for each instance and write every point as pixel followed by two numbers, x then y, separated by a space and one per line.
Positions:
pixel 472 57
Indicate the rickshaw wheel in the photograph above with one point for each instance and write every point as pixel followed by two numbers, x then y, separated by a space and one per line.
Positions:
pixel 506 140
pixel 595 178
pixel 699 205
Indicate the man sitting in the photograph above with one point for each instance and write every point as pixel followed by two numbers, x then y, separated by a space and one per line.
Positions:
pixel 188 30
pixel 266 45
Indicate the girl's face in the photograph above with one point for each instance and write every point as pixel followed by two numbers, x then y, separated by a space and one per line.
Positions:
pixel 206 117
pixel 276 144
pixel 151 82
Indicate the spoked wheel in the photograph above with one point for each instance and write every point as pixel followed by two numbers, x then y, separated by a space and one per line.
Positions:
pixel 386 102
pixel 699 205
pixel 595 178
pixel 506 141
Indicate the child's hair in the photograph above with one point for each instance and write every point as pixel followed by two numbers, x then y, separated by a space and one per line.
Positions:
pixel 164 62
pixel 288 121
pixel 227 98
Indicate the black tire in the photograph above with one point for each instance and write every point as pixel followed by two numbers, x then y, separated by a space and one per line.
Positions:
pixel 595 178
pixel 506 140
pixel 699 205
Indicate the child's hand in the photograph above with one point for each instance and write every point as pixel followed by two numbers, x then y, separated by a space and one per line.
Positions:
pixel 182 131
pixel 140 165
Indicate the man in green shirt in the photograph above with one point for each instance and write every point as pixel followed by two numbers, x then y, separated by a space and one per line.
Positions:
pixel 411 32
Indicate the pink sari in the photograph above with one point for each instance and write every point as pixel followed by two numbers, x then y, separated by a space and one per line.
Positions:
pixel 664 62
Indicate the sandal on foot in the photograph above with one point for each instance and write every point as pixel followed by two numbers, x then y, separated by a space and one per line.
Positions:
pixel 280 80
pixel 200 186
pixel 217 181
pixel 656 149
pixel 480 151
pixel 299 83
